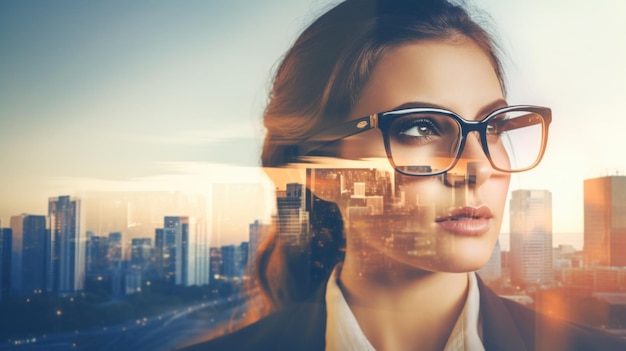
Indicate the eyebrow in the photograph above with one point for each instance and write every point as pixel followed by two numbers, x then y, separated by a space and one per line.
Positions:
pixel 492 106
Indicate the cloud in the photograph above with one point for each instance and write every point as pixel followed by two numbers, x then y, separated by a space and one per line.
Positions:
pixel 222 133
pixel 168 176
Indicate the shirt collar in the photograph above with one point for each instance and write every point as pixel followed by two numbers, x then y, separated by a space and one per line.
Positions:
pixel 343 331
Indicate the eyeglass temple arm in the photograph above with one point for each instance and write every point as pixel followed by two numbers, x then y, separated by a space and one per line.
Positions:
pixel 528 120
pixel 336 133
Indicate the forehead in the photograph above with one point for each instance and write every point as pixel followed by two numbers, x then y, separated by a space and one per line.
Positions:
pixel 455 74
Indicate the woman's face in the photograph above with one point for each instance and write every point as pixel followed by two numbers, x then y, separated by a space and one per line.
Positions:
pixel 439 223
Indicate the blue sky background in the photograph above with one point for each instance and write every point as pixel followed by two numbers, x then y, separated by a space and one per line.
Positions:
pixel 118 95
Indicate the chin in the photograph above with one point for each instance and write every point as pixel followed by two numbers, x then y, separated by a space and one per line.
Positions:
pixel 470 265
pixel 467 257
pixel 430 251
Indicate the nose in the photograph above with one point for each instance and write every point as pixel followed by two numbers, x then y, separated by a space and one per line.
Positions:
pixel 473 167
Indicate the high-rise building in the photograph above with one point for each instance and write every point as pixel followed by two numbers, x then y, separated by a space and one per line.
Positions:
pixel 594 279
pixel 292 217
pixel 69 244
pixel 186 253
pixel 234 259
pixel 201 245
pixel 605 222
pixel 6 236
pixel 162 252
pixel 242 258
pixel 215 257
pixel 258 233
pixel 115 250
pixel 30 245
pixel 96 256
pixel 140 253
pixel 171 248
pixel 181 248
pixel 132 281
pixel 531 236
pixel 230 255
pixel 492 270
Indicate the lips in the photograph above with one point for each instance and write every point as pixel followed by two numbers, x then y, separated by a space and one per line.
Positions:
pixel 467 221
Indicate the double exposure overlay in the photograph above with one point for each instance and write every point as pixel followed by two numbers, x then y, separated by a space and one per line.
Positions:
pixel 297 174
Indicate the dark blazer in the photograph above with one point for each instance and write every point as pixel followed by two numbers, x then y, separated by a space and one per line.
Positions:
pixel 506 326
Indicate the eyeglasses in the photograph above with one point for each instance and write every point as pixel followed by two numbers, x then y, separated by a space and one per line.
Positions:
pixel 429 141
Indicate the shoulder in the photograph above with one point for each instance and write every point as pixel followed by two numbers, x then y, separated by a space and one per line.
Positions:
pixel 507 323
pixel 555 334
pixel 299 327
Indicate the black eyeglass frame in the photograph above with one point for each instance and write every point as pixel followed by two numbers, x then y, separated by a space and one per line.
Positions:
pixel 383 121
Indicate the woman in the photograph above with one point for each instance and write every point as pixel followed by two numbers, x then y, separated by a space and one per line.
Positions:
pixel 397 111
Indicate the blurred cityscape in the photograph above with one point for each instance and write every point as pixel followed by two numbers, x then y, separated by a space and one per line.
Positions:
pixel 147 270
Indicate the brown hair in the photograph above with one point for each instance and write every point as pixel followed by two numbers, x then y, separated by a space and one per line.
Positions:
pixel 317 84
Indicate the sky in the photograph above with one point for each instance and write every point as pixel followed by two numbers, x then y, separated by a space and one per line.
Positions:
pixel 162 95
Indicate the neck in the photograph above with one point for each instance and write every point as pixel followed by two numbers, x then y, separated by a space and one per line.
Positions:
pixel 409 309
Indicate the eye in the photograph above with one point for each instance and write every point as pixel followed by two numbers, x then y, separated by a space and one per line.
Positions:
pixel 495 126
pixel 424 129
pixel 496 130
pixel 492 128
pixel 419 128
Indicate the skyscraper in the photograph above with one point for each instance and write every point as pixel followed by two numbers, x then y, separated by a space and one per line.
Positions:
pixel 96 256
pixel 215 262
pixel 172 248
pixel 201 244
pixel 29 252
pixel 162 252
pixel 531 236
pixel 140 253
pixel 258 233
pixel 229 267
pixel 492 270
pixel 69 244
pixel 6 236
pixel 242 258
pixel 182 251
pixel 605 223
pixel 292 217
pixel 115 250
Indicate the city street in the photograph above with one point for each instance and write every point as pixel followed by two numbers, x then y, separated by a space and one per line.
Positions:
pixel 158 333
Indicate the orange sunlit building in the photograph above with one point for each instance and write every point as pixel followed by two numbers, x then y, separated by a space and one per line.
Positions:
pixel 605 221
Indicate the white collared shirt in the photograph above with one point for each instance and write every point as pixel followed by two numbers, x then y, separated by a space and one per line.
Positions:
pixel 343 332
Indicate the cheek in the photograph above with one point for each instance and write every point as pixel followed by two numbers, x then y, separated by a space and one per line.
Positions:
pixel 432 193
pixel 421 192
pixel 369 144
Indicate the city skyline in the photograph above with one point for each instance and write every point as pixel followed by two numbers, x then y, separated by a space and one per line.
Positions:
pixel 114 212
pixel 148 96
pixel 138 213
pixel 601 284
pixel 183 242
pixel 177 253
pixel 45 255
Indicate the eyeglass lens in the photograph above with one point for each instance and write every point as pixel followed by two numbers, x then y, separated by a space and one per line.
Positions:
pixel 423 143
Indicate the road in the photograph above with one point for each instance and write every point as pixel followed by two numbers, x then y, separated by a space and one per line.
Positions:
pixel 157 333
